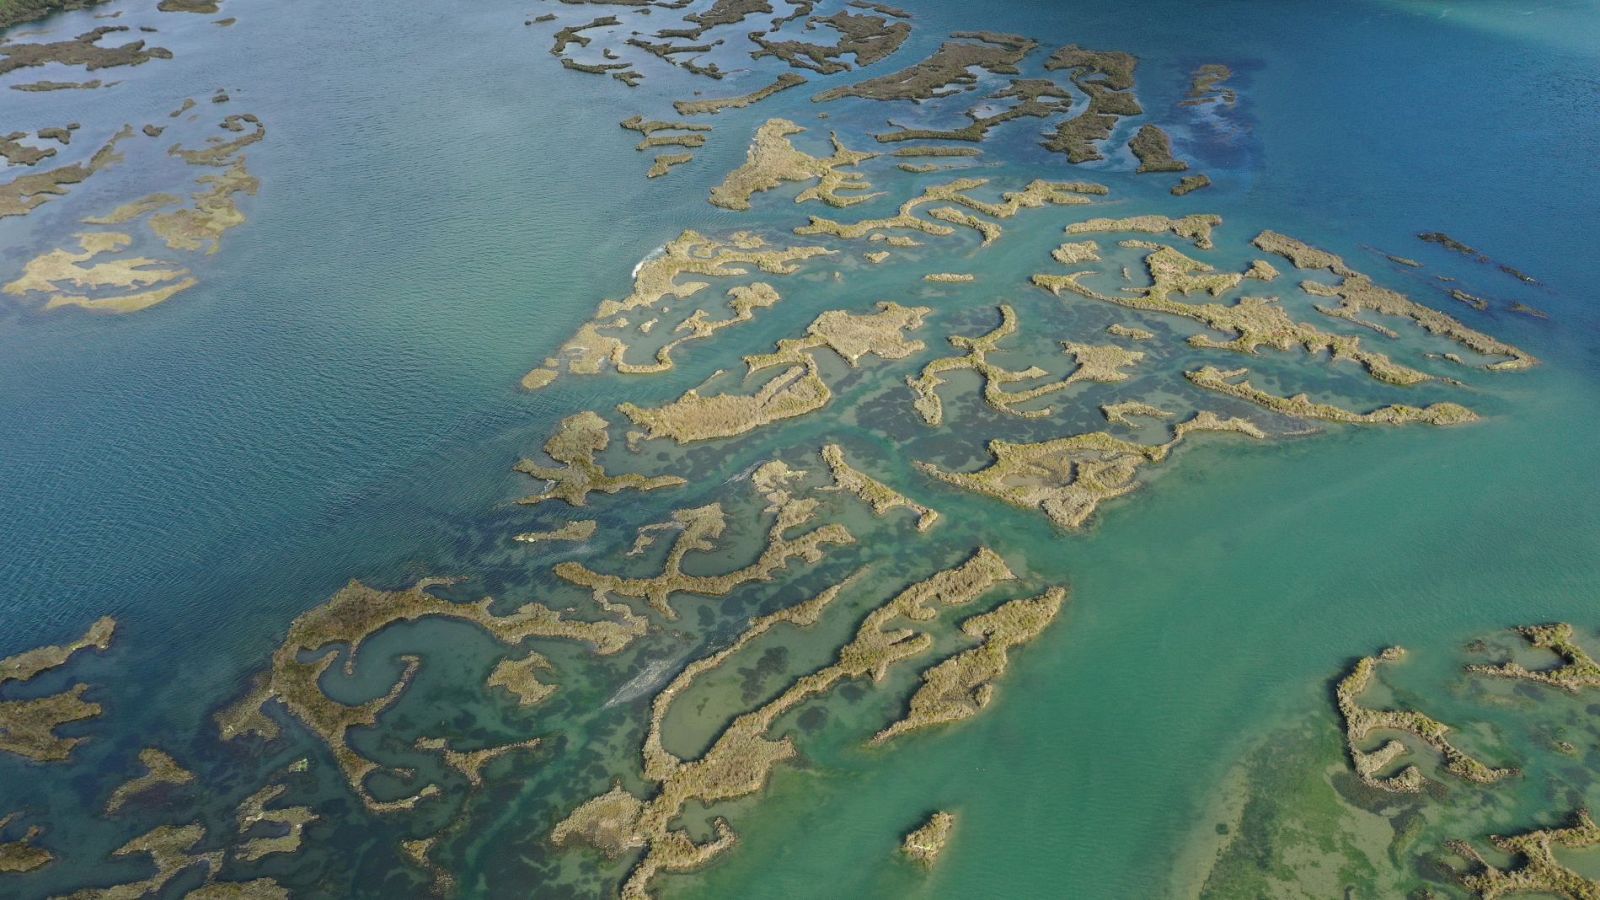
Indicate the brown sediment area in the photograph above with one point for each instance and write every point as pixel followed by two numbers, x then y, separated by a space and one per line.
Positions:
pixel 950 277
pixel 798 9
pixel 170 849
pixel 1206 86
pixel 419 852
pixel 610 822
pixel 852 336
pixel 884 8
pixel 1035 98
pixel 124 303
pixel 578 439
pixel 1188 184
pixel 655 280
pixel 721 12
pixel 1578 670
pixel 876 256
pixel 1472 300
pixel 1301 254
pixel 924 844
pixel 692 417
pixel 571 531
pixel 870 39
pixel 160 769
pixel 22 855
pixel 520 678
pixel 666 51
pixel 666 162
pixel 1523 309
pixel 713 106
pixel 1100 362
pixel 39 86
pixel 1153 148
pixel 936 151
pixel 773 159
pixel 946 71
pixel 26 666
pixel 470 763
pixel 1077 136
pixel 18 11
pixel 253 811
pixel 742 757
pixel 349 618
pixel 133 209
pixel 574 34
pixel 215 211
pixel 990 231
pixel 1357 294
pixel 17 153
pixel 620 71
pixel 1036 194
pixel 21 195
pixel 255 889
pixel 216 151
pixel 1111 68
pixel 961 686
pixel 1071 253
pixel 606 822
pixel 1196 228
pixel 189 6
pixel 27 727
pixel 1535 869
pixel 871 491
pixel 743 299
pixel 1302 406
pixel 1107 78
pixel 1450 243
pixel 1256 321
pixel 648 127
pixel 49 272
pixel 672 140
pixel 701 528
pixel 1360 722
pixel 1123 413
pixel 1130 332
pixel 771 481
pixel 1516 273
pixel 1261 270
pixel 658 762
pixel 83 50
pixel 1068 478
pixel 995 377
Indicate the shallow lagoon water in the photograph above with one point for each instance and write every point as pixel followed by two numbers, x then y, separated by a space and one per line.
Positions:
pixel 442 205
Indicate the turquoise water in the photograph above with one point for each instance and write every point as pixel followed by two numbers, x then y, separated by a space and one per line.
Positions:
pixel 442 205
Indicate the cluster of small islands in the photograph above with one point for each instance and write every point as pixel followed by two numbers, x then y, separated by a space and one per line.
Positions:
pixel 97 270
pixel 1146 271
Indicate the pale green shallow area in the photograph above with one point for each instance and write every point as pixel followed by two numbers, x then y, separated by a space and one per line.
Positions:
pixel 442 205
